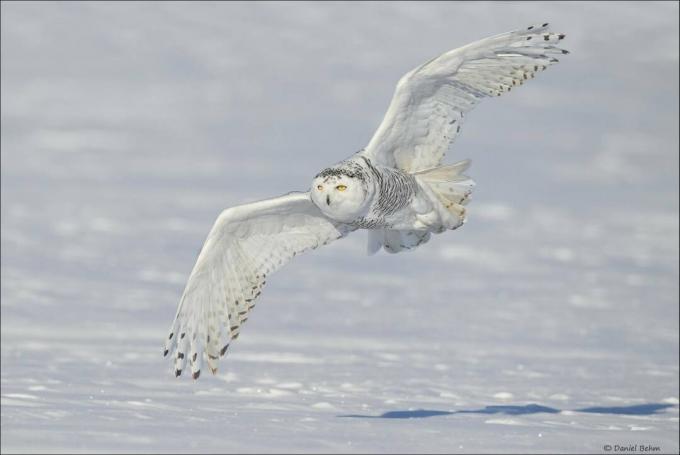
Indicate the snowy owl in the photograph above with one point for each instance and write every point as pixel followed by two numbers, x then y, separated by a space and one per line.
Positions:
pixel 396 188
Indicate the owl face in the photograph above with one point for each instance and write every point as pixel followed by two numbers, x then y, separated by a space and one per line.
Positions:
pixel 340 197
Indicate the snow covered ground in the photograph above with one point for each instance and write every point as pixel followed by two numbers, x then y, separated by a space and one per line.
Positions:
pixel 549 323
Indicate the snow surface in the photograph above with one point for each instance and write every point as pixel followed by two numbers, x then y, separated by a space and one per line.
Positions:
pixel 548 323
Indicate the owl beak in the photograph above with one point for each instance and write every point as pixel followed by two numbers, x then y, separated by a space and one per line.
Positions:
pixel 328 200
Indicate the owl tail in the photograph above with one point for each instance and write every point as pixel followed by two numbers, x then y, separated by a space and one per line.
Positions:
pixel 452 190
pixel 448 182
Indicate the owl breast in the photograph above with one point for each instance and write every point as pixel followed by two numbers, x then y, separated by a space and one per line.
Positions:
pixel 392 205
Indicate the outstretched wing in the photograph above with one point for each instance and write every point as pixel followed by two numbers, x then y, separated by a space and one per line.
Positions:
pixel 430 101
pixel 245 244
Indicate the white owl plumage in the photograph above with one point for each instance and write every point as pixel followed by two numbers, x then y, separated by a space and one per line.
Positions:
pixel 395 188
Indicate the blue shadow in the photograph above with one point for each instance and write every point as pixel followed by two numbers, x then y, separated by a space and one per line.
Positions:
pixel 636 410
pixel 512 410
pixel 639 409
pixel 418 414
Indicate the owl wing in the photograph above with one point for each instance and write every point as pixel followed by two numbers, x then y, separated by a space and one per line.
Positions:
pixel 244 246
pixel 430 101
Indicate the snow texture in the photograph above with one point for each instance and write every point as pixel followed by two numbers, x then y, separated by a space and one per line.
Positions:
pixel 548 323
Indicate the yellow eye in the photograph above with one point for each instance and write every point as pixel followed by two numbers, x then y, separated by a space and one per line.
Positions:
pixel 319 187
pixel 341 187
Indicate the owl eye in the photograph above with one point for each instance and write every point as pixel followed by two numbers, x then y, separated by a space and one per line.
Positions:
pixel 341 187
pixel 319 187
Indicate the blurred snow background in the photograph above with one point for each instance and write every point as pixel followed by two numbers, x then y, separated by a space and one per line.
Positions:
pixel 549 323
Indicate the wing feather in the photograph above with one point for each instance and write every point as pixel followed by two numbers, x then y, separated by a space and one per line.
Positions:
pixel 430 102
pixel 245 244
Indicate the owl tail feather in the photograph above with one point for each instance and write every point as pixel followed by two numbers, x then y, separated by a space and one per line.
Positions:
pixel 452 189
pixel 448 182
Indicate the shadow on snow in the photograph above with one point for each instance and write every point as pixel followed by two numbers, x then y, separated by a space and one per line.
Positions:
pixel 639 409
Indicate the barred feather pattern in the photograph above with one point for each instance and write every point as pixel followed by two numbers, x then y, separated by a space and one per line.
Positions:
pixel 431 101
pixel 246 244
pixel 395 190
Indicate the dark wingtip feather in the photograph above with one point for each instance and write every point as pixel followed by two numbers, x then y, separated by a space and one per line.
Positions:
pixel 196 375
pixel 177 373
pixel 165 353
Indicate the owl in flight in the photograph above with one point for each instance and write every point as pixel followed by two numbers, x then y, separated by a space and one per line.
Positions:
pixel 396 188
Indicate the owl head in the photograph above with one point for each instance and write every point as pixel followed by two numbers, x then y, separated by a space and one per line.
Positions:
pixel 341 194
